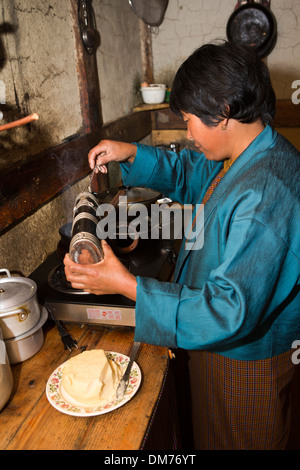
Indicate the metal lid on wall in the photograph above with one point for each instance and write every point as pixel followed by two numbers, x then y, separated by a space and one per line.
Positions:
pixel 252 23
pixel 152 12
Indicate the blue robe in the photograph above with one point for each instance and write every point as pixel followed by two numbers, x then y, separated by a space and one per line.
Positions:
pixel 239 294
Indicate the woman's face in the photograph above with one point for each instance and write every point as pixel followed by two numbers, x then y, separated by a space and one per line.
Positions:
pixel 212 141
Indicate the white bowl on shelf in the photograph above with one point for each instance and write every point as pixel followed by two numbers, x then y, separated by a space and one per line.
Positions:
pixel 153 94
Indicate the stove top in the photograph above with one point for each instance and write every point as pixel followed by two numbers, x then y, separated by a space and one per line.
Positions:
pixel 151 258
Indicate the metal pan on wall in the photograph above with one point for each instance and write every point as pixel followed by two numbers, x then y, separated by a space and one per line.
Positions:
pixel 150 11
pixel 252 23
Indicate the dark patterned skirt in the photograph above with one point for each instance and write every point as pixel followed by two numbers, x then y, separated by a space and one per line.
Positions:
pixel 240 404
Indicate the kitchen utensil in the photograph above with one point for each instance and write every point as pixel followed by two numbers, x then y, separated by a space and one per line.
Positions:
pixel 92 176
pixel 153 94
pixel 115 200
pixel 152 12
pixel 85 247
pixel 252 23
pixel 19 307
pixel 124 380
pixel 22 347
pixel 20 122
pixel 87 25
pixel 6 377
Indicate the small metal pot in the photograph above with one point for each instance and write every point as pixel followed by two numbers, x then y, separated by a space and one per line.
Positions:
pixel 135 195
pixel 19 307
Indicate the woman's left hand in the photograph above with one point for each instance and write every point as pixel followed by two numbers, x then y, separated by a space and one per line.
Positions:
pixel 109 276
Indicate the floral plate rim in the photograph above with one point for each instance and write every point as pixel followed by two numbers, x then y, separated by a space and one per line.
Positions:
pixel 55 398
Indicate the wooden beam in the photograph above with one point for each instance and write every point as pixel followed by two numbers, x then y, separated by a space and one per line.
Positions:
pixel 88 80
pixel 287 115
pixel 166 136
pixel 147 56
pixel 163 119
pixel 27 188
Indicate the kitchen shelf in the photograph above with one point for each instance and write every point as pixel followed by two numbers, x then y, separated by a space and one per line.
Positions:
pixel 150 107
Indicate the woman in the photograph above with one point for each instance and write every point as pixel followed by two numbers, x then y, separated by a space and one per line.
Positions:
pixel 234 304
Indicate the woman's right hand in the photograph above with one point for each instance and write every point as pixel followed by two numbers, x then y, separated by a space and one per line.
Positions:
pixel 108 151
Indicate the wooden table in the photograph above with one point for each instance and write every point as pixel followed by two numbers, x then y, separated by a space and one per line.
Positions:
pixel 30 422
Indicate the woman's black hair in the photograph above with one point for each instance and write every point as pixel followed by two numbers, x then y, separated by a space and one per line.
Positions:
pixel 224 81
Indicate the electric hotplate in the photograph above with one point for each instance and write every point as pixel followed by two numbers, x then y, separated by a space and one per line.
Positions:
pixel 152 258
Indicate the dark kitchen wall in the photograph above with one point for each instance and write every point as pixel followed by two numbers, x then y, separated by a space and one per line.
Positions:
pixel 41 72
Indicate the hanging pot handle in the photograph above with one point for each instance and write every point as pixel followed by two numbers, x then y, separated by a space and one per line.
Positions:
pixel 264 3
pixel 21 312
pixel 5 271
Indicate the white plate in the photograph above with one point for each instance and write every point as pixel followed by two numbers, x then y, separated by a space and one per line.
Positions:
pixel 54 395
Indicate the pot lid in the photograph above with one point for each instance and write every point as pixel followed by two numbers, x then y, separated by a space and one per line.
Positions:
pixel 134 195
pixel 15 291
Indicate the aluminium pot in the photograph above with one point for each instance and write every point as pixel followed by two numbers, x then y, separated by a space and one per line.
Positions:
pixel 19 307
pixel 134 196
pixel 253 24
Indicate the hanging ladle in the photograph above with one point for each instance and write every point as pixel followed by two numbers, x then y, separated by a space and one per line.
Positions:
pixel 19 122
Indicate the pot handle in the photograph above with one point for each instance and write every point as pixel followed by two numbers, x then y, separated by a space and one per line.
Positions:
pixel 5 271
pixel 264 3
pixel 21 312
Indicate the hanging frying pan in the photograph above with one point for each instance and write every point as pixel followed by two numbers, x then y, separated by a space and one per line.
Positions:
pixel 150 11
pixel 252 23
